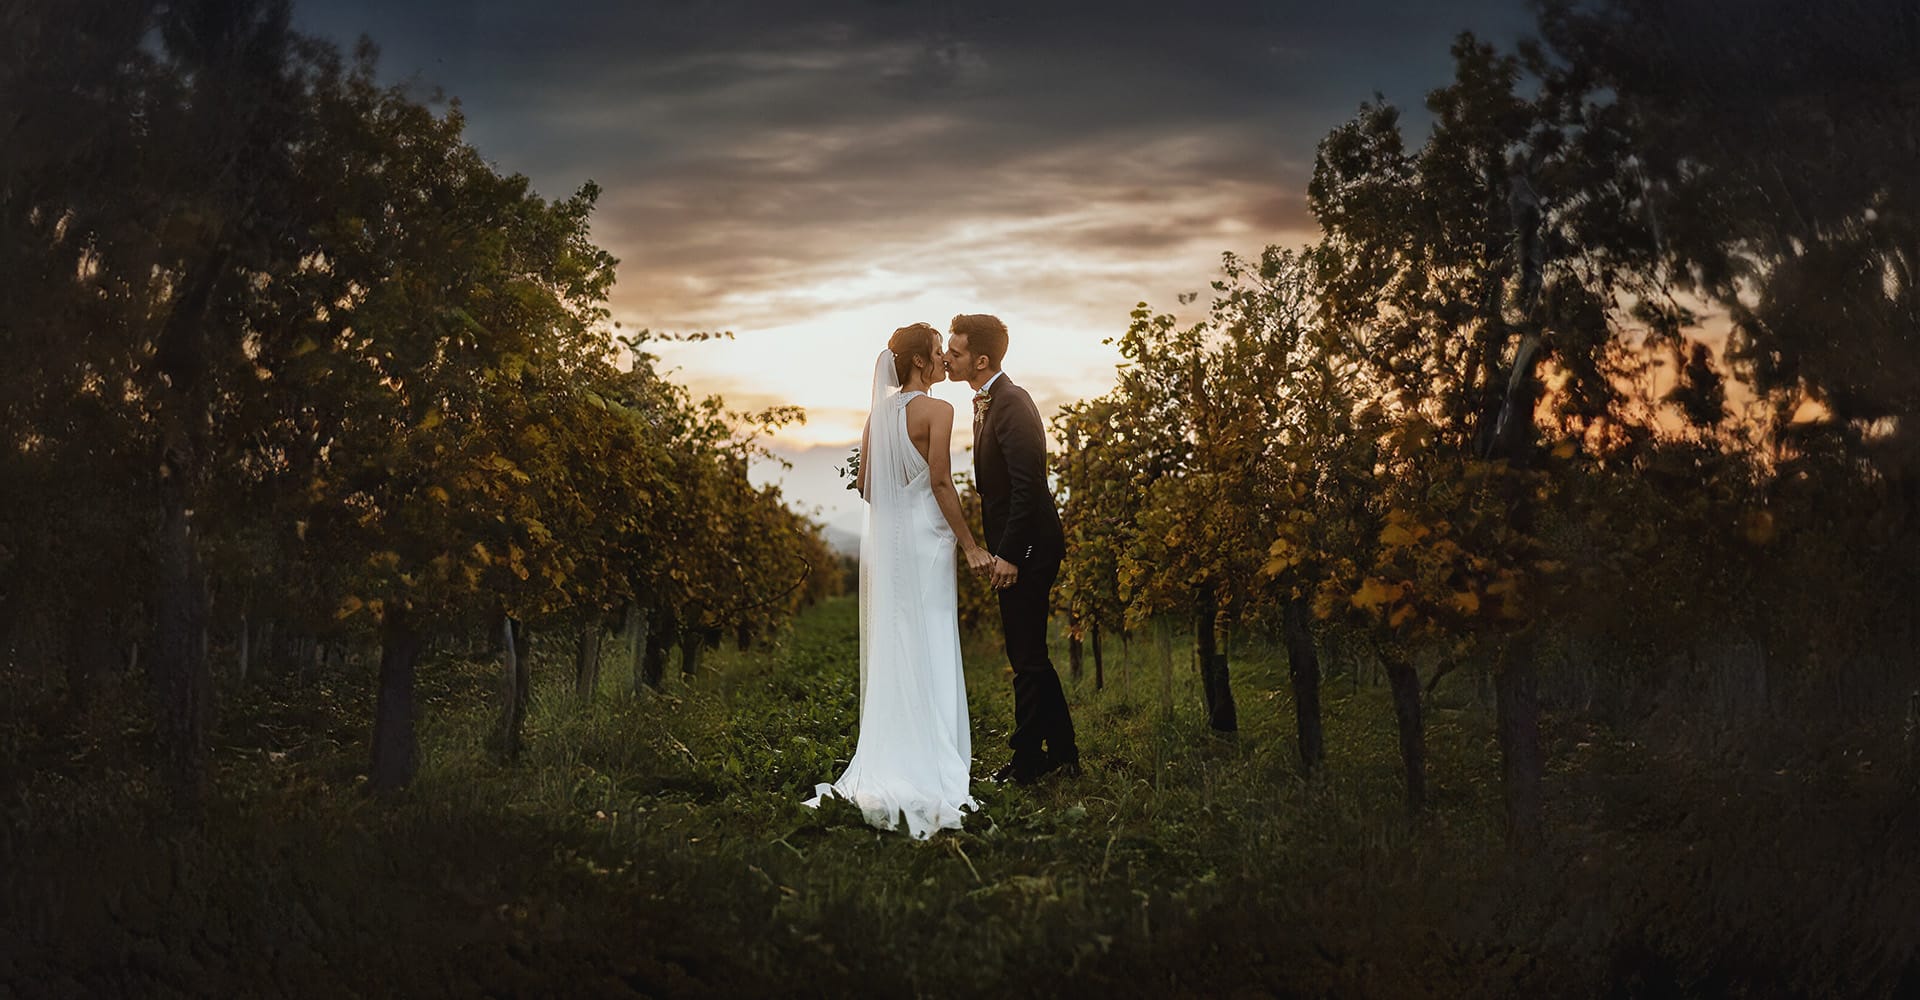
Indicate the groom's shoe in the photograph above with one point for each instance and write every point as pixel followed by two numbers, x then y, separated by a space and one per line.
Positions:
pixel 1065 765
pixel 1022 770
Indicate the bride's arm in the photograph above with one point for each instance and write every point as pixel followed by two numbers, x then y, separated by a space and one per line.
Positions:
pixel 940 472
pixel 860 477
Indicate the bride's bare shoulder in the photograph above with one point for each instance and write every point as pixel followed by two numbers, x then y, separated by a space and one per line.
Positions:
pixel 929 405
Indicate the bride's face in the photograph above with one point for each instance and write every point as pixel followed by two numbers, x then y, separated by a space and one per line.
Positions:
pixel 936 367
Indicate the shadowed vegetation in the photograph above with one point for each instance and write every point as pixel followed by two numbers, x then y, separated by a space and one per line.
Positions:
pixel 657 847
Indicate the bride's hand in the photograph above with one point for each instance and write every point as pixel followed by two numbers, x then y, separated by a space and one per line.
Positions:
pixel 978 559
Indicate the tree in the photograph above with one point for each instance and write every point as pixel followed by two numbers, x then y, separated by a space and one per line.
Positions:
pixel 1462 269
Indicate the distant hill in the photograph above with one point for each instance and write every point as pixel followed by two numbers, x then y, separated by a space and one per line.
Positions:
pixel 844 540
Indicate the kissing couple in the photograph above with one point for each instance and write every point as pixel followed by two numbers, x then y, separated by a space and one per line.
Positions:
pixel 914 750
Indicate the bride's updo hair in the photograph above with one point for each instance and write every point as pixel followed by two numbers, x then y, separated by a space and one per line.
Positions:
pixel 909 342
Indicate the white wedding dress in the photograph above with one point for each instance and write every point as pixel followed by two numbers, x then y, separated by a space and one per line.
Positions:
pixel 914 749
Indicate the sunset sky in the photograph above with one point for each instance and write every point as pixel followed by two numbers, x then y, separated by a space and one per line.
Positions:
pixel 811 175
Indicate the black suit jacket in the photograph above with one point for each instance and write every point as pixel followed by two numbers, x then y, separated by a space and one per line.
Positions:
pixel 1010 470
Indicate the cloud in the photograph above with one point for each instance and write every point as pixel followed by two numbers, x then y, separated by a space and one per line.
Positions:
pixel 812 175
pixel 749 150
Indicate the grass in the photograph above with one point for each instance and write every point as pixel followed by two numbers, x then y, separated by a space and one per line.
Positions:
pixel 655 845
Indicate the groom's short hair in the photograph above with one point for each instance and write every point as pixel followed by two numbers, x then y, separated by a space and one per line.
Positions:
pixel 985 335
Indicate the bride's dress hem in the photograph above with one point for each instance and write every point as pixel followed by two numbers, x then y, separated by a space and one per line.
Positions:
pixel 924 817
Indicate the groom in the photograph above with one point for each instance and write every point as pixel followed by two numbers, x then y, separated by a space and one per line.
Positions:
pixel 1024 536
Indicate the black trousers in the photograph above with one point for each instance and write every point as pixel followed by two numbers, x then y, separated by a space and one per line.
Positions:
pixel 1039 705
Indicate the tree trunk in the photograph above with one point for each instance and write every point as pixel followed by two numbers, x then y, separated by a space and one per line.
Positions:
pixel 1099 663
pixel 1076 652
pixel 586 661
pixel 178 676
pixel 1163 638
pixel 516 677
pixel 1405 682
pixel 1913 742
pixel 1517 708
pixel 80 664
pixel 637 645
pixel 692 641
pixel 245 635
pixel 1303 669
pixel 665 632
pixel 1214 686
pixel 395 750
pixel 103 648
pixel 743 637
pixel 266 645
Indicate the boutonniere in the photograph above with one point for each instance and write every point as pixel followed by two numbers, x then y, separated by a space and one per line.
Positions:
pixel 980 400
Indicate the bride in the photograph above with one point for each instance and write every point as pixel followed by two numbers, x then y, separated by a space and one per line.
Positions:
pixel 914 748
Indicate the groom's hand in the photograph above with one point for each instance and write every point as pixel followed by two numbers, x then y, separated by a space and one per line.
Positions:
pixel 1004 573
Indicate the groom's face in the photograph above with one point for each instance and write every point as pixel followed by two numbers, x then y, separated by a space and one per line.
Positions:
pixel 961 363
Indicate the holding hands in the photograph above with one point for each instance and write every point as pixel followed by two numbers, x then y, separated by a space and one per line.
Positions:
pixel 999 571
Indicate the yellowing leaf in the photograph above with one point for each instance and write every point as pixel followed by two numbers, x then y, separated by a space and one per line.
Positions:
pixel 348 607
pixel 1466 602
pixel 1565 449
pixel 1373 593
pixel 1400 535
pixel 1400 616
pixel 430 421
pixel 1282 556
